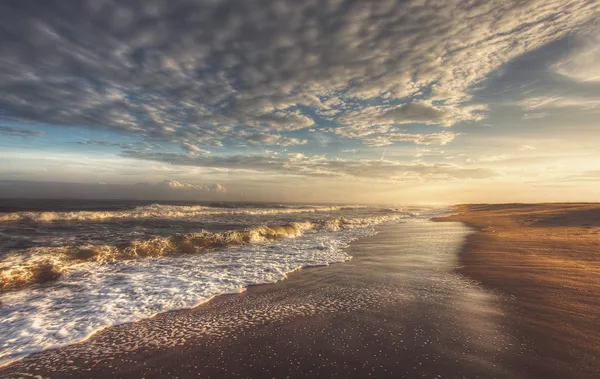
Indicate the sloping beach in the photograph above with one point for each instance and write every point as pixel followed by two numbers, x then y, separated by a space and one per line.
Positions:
pixel 546 258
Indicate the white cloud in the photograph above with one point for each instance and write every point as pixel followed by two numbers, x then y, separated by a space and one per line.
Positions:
pixel 582 64
pixel 526 147
pixel 280 121
pixel 533 116
pixel 556 102
pixel 193 149
pixel 267 139
pixel 218 188
pixel 420 139
pixel 495 158
pixel 179 185
pixel 421 111
pixel 321 166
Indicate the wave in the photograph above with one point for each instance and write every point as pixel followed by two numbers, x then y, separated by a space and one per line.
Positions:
pixel 158 211
pixel 44 264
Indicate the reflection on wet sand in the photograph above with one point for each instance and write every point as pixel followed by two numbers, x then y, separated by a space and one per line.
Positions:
pixel 545 258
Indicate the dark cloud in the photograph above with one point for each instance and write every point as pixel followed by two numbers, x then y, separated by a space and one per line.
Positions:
pixel 18 132
pixel 196 72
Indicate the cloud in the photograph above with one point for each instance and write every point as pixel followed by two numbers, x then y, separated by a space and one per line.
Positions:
pixel 582 64
pixel 280 121
pixel 268 139
pixel 526 148
pixel 495 158
pixel 321 166
pixel 557 102
pixel 420 139
pixel 106 143
pixel 193 149
pixel 18 132
pixel 218 188
pixel 422 111
pixel 198 72
pixel 179 185
pixel 533 116
pixel 586 176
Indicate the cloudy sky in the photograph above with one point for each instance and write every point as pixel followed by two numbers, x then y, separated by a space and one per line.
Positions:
pixel 420 101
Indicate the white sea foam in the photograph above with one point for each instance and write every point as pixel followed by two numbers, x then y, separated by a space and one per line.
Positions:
pixel 94 296
pixel 43 264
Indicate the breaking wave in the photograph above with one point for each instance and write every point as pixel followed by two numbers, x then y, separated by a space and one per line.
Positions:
pixel 43 264
pixel 96 285
pixel 158 211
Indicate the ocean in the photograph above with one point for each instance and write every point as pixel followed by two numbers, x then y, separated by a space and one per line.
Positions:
pixel 71 268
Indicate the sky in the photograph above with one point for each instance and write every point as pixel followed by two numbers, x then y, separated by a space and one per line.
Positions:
pixel 391 101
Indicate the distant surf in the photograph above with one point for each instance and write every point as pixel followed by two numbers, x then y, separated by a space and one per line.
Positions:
pixel 43 264
pixel 158 211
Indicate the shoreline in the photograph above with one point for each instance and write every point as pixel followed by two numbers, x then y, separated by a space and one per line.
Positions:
pixel 164 313
pixel 200 303
pixel 332 252
pixel 496 316
pixel 396 308
pixel 546 259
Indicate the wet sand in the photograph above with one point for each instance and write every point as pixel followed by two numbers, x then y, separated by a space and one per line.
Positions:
pixel 545 257
pixel 399 308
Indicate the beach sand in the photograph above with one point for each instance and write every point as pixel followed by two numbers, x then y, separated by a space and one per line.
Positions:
pixel 547 258
pixel 404 306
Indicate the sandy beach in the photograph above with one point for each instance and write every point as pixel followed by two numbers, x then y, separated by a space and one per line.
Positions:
pixel 512 295
pixel 546 258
